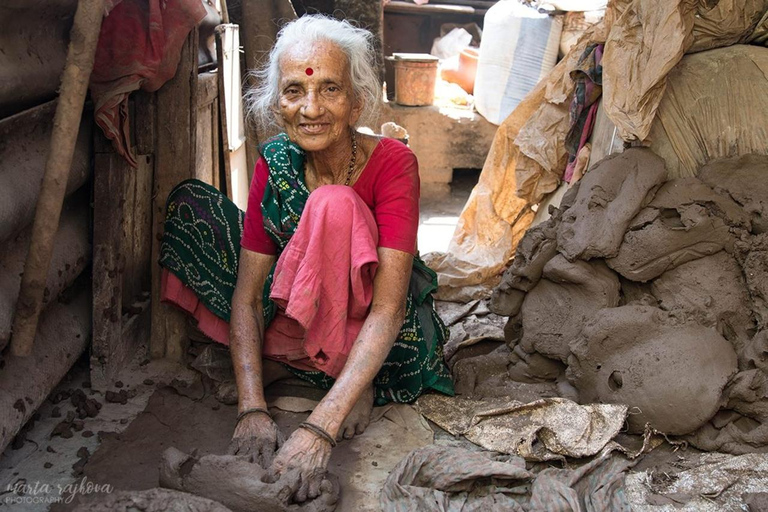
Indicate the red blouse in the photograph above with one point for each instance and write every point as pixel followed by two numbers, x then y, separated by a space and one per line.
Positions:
pixel 389 185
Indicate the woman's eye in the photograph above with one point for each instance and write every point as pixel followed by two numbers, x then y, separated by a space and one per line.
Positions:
pixel 332 88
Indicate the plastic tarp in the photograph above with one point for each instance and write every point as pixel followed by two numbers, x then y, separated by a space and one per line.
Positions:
pixel 524 164
pixel 644 41
pixel 650 38
pixel 705 92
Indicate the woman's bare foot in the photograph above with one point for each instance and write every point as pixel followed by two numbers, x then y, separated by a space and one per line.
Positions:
pixel 359 418
pixel 273 372
pixel 226 392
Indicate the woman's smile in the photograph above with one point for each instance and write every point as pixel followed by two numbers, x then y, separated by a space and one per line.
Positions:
pixel 318 109
pixel 314 128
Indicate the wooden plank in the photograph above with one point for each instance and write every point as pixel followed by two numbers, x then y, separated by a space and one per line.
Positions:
pixel 144 122
pixel 206 157
pixel 175 158
pixel 231 113
pixel 110 172
pixel 207 88
pixel 216 144
pixel 207 128
pixel 142 227
pixel 483 4
pixel 396 6
pixel 128 255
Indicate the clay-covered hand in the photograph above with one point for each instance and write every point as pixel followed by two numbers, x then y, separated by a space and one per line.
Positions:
pixel 305 454
pixel 256 435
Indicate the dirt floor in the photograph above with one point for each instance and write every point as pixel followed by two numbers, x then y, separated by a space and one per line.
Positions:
pixel 85 443
pixel 123 442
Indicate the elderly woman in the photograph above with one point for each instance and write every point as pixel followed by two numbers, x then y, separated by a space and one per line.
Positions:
pixel 328 284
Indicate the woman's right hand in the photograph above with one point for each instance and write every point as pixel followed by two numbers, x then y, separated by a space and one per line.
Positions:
pixel 256 435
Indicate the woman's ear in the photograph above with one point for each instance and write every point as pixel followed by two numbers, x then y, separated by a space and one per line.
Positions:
pixel 278 116
pixel 357 109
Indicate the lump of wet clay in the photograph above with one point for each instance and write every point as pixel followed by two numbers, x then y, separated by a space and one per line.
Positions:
pixel 609 196
pixel 554 312
pixel 745 180
pixel 536 248
pixel 685 220
pixel 711 291
pixel 670 374
pixel 531 368
pixel 239 484
pixel 152 500
pixel 743 426
pixel 754 254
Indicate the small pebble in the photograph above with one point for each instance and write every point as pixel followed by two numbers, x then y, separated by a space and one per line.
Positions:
pixel 216 407
pixel 47 465
pixel 378 446
pixel 119 384
pixel 87 433
pixel 375 464
pixel 124 421
pixel 50 449
pixel 149 382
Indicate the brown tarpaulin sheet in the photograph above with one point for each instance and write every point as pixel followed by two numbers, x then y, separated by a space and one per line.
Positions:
pixel 644 40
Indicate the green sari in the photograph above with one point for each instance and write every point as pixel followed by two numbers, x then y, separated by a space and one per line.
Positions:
pixel 201 245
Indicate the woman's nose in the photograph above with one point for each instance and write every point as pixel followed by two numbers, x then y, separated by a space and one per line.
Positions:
pixel 312 106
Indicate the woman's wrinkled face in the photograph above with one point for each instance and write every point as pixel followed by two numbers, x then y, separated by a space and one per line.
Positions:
pixel 317 104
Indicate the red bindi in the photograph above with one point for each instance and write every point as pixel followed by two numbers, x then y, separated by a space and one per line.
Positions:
pixel 309 71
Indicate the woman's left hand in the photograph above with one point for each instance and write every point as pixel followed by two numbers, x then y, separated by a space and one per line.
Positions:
pixel 307 455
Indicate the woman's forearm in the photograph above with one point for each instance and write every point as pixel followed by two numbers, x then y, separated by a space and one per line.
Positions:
pixel 246 328
pixel 246 335
pixel 368 354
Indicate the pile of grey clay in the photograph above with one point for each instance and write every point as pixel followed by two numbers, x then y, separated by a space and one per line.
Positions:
pixel 215 483
pixel 651 293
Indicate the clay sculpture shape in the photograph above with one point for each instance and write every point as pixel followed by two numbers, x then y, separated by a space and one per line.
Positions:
pixel 686 220
pixel 743 427
pixel 745 180
pixel 755 264
pixel 535 249
pixel 670 374
pixel 609 196
pixel 525 367
pixel 712 292
pixel 239 484
pixel 570 293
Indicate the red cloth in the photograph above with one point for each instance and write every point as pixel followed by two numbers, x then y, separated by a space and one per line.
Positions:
pixel 323 285
pixel 139 47
pixel 323 282
pixel 389 186
pixel 173 291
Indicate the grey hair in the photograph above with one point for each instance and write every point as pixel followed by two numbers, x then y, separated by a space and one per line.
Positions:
pixel 262 99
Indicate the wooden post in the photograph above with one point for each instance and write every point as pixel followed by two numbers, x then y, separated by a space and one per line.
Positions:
pixel 261 20
pixel 121 246
pixel 74 84
pixel 175 158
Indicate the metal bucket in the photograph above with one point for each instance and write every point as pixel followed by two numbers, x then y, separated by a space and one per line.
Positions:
pixel 415 78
